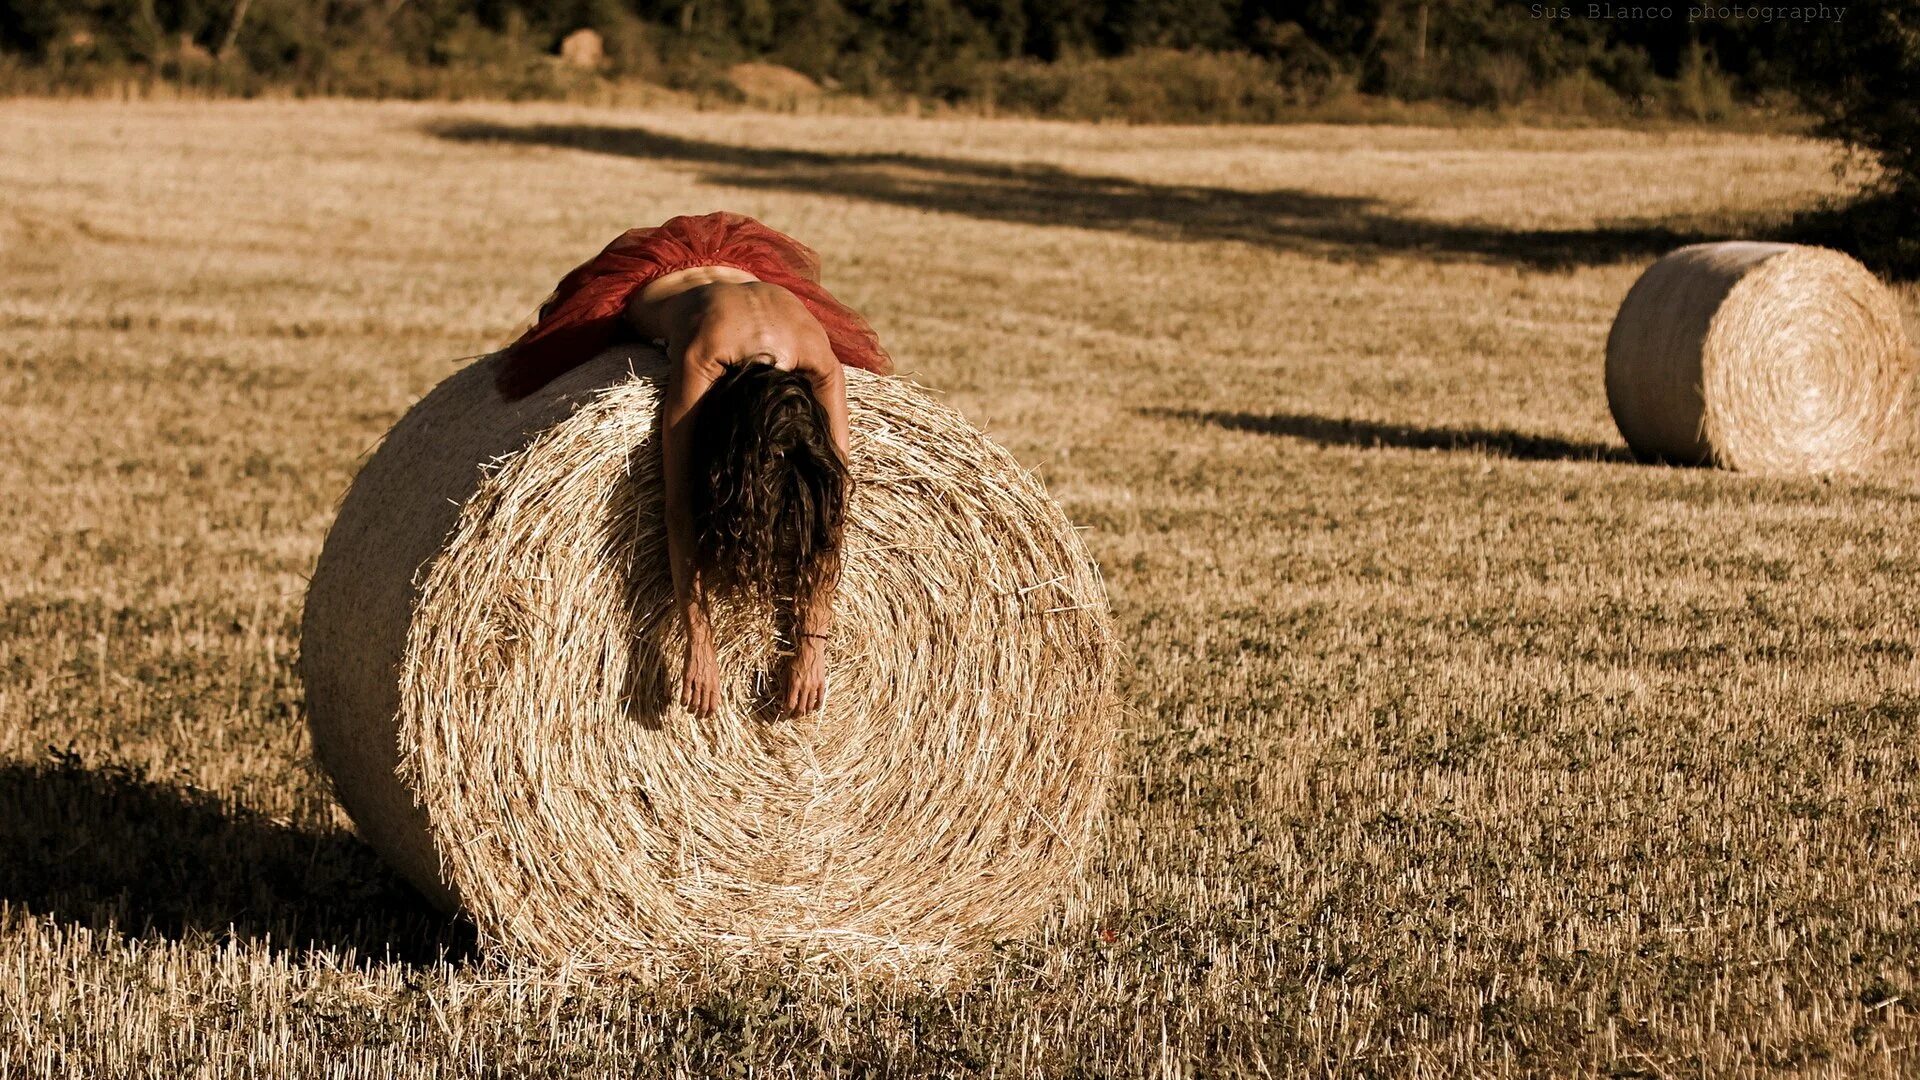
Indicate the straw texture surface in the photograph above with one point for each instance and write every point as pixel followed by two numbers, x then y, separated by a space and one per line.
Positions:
pixel 1771 358
pixel 490 660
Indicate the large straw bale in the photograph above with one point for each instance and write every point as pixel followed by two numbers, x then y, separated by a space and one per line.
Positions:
pixel 1761 357
pixel 490 657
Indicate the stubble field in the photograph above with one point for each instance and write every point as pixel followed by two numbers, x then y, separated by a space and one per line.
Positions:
pixel 1460 744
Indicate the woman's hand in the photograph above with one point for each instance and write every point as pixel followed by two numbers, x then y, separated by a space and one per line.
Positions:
pixel 807 676
pixel 700 678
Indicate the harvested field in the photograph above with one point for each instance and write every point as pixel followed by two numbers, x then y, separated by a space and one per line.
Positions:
pixel 1458 743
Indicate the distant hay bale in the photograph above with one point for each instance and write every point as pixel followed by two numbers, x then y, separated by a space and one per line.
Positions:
pixel 489 658
pixel 767 83
pixel 1759 357
pixel 585 49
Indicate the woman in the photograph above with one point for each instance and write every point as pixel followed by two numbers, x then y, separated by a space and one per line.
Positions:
pixel 754 418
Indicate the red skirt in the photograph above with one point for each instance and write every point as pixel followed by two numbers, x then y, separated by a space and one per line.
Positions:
pixel 586 312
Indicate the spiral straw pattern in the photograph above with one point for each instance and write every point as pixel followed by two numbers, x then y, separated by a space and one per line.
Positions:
pixel 491 659
pixel 1769 358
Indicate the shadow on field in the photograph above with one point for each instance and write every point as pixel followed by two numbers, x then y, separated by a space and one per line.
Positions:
pixel 1033 194
pixel 1330 431
pixel 104 848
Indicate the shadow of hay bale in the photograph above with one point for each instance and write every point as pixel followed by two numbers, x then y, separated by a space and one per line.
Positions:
pixel 105 848
pixel 1369 434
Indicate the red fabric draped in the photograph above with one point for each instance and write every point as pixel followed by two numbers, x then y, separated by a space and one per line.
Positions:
pixel 585 313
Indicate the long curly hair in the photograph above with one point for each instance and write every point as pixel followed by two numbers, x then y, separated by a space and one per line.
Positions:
pixel 769 489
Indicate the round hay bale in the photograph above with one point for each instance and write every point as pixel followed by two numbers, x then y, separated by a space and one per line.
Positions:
pixel 763 82
pixel 490 662
pixel 1760 357
pixel 585 49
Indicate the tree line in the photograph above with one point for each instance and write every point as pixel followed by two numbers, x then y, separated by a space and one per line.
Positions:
pixel 1469 52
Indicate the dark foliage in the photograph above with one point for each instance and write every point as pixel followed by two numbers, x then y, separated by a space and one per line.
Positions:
pixel 1861 77
pixel 1476 53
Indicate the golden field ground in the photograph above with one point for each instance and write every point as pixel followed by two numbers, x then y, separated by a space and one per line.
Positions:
pixel 1460 745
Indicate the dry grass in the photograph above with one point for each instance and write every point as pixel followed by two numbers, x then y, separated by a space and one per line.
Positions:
pixel 1463 745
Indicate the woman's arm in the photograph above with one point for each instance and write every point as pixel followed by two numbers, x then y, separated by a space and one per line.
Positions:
pixel 829 380
pixel 813 615
pixel 675 309
pixel 700 677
